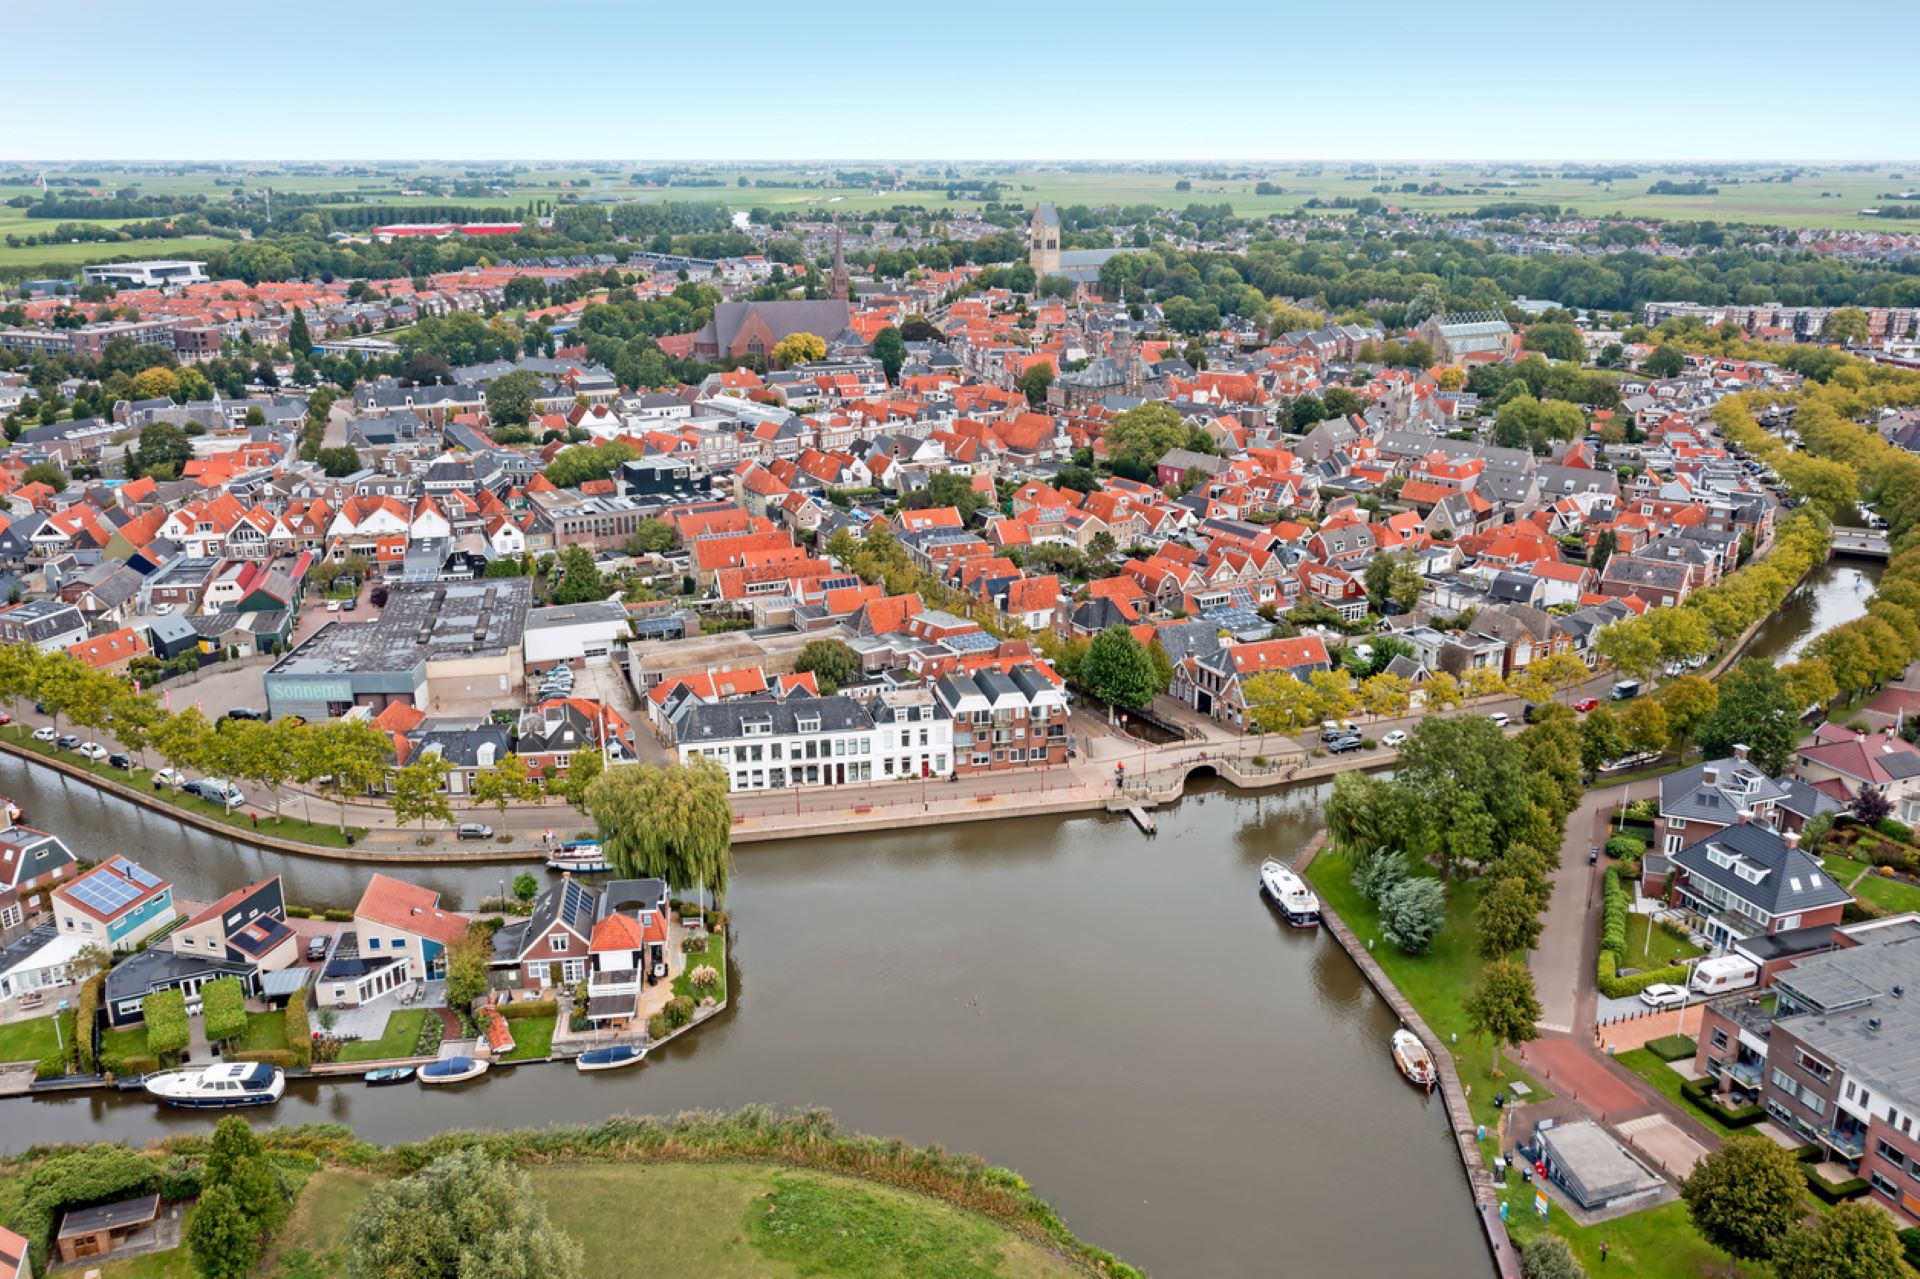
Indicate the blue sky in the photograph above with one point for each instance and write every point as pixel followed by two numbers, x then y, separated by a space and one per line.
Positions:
pixel 509 79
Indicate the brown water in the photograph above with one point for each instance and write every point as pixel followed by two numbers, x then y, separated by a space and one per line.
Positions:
pixel 1834 593
pixel 1190 1083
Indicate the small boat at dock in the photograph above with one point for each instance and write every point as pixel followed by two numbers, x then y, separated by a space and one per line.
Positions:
pixel 581 856
pixel 1415 1062
pixel 1290 894
pixel 610 1058
pixel 223 1087
pixel 453 1070
pixel 387 1076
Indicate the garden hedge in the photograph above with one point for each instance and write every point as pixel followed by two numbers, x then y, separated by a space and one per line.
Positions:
pixel 1672 1047
pixel 1705 1098
pixel 531 1008
pixel 1613 942
pixel 299 1029
pixel 224 1009
pixel 165 1012
pixel 86 1008
pixel 284 1058
pixel 1833 1192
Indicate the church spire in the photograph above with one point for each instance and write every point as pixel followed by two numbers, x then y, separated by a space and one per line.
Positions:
pixel 841 288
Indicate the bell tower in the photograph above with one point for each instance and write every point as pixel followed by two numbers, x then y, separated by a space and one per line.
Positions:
pixel 1043 251
pixel 841 287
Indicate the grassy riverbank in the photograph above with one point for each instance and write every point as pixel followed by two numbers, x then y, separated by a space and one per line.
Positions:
pixel 714 1196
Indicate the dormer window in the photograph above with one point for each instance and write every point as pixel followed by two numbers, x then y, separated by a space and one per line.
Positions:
pixel 808 724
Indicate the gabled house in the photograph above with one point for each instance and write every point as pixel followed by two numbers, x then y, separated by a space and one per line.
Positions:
pixel 243 935
pixel 1747 880
pixel 552 945
pixel 31 863
pixel 117 905
pixel 1865 761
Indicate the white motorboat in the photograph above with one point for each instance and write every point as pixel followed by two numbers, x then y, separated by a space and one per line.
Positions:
pixel 452 1070
pixel 1415 1062
pixel 1290 894
pixel 581 856
pixel 246 1083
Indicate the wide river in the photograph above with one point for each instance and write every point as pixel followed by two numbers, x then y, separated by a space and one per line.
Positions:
pixel 1121 1019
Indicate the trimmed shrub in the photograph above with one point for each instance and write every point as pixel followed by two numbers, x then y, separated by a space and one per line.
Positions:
pixel 51 1066
pixel 281 1057
pixel 131 1066
pixel 1672 1047
pixel 86 1008
pixel 1702 1095
pixel 657 1027
pixel 223 1009
pixel 299 1029
pixel 530 1008
pixel 1614 986
pixel 1625 846
pixel 1894 829
pixel 165 1012
pixel 1833 1192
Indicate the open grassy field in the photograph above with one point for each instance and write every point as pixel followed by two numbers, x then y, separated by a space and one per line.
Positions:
pixel 715 1221
pixel 1829 197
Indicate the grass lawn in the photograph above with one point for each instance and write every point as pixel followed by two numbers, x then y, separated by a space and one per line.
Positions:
pixel 310 1245
pixel 532 1037
pixel 1668 1081
pixel 322 833
pixel 174 1264
pixel 715 954
pixel 1663 949
pixel 128 1041
pixel 265 1031
pixel 1658 1243
pixel 728 1221
pixel 1889 894
pixel 28 1040
pixel 1436 983
pixel 733 1221
pixel 402 1032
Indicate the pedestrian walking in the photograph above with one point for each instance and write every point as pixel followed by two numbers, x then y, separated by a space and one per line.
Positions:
pixel 1603 1250
pixel 256 819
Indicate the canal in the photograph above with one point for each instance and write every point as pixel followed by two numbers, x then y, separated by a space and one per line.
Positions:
pixel 1122 1020
pixel 1835 592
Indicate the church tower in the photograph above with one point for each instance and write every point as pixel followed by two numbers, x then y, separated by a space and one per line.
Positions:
pixel 1043 251
pixel 841 287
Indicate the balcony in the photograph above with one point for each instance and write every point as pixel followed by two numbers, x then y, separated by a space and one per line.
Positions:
pixel 617 982
pixel 1850 1144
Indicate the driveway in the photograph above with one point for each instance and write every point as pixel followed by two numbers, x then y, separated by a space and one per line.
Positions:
pixel 1563 964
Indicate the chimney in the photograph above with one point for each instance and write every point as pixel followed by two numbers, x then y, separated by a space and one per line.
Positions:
pixel 1746 815
pixel 1740 752
pixel 1791 839
pixel 1710 775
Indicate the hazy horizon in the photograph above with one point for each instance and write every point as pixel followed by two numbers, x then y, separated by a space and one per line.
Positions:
pixel 1021 83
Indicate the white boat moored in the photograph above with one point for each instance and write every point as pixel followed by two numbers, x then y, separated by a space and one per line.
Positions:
pixel 1415 1062
pixel 246 1083
pixel 1290 893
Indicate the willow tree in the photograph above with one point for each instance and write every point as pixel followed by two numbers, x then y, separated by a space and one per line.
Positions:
pixel 672 823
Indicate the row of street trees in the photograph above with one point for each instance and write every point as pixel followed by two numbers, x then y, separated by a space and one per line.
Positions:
pixel 1277 702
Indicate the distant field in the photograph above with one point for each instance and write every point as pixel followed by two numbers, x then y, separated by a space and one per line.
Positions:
pixel 1831 198
pixel 66 255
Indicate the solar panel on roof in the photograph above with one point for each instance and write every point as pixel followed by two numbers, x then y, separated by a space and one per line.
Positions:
pixel 140 874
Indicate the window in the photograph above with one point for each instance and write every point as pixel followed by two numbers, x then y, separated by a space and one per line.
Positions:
pixel 1719 1039
pixel 398 943
pixel 1814 1066
pixel 373 943
pixel 1885 1185
pixel 1814 1101
pixel 1676 823
pixel 1889 1153
pixel 1674 844
pixel 557 943
pixel 1785 1082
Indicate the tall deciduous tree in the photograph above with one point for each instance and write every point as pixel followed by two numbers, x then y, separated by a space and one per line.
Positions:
pixel 1744 1197
pixel 221 1237
pixel 505 783
pixel 891 350
pixel 1687 701
pixel 1853 1241
pixel 1507 920
pixel 1117 669
pixel 419 791
pixel 672 823
pixel 1756 709
pixel 1503 1006
pixel 462 1215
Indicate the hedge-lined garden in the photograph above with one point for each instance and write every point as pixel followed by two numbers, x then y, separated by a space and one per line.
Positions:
pixel 1616 904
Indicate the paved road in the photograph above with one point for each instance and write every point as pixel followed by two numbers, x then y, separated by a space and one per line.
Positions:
pixel 1563 965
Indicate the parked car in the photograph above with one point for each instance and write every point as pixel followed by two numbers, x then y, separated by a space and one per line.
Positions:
pixel 244 712
pixel 1500 718
pixel 67 742
pixel 333 606
pixel 120 760
pixel 1332 729
pixel 349 605
pixel 1662 995
pixel 1395 739
pixel 316 948
pixel 1341 745
pixel 5 718
pixel 1586 704
pixel 474 830
pixel 1628 761
pixel 1593 855
pixel 1529 712
pixel 218 791
pixel 168 777
pixel 92 750
pixel 43 734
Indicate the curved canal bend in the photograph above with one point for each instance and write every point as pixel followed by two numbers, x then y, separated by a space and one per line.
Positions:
pixel 1120 1019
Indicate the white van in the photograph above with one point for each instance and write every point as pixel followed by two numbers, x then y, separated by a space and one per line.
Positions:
pixel 1724 973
